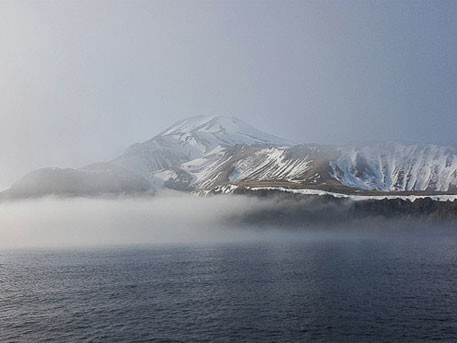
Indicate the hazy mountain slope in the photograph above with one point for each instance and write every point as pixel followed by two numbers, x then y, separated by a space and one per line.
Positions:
pixel 96 179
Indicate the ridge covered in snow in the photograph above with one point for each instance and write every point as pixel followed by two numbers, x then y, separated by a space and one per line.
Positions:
pixel 397 167
pixel 206 153
pixel 387 167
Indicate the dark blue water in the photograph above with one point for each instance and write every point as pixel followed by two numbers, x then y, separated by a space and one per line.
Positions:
pixel 366 289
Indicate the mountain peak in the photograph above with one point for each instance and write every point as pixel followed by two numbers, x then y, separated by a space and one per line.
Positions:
pixel 225 129
pixel 190 139
pixel 206 124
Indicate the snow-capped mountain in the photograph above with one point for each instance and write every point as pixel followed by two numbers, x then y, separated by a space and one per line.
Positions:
pixel 224 153
pixel 207 152
pixel 199 139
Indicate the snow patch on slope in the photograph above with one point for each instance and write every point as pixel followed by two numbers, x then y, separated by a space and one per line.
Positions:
pixel 229 189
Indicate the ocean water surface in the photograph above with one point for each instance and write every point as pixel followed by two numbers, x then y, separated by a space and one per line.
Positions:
pixel 343 288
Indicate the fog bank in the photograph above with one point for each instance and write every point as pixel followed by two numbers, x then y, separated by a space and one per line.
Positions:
pixel 177 218
pixel 68 222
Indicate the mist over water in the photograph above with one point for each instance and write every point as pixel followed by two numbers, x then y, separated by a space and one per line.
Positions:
pixel 79 222
pixel 171 218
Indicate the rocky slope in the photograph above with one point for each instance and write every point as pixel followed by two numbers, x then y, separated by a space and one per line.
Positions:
pixel 99 179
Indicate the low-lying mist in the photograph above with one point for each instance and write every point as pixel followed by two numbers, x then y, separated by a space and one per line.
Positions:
pixel 170 218
pixel 67 222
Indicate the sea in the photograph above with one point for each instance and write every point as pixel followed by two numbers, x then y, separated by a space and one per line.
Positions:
pixel 389 287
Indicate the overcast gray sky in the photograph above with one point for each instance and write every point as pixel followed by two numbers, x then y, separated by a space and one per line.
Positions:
pixel 82 80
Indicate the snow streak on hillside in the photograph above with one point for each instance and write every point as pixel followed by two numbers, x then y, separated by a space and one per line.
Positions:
pixel 397 167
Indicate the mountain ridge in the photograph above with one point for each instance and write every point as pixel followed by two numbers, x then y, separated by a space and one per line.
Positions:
pixel 209 152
